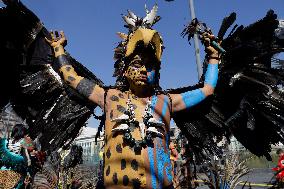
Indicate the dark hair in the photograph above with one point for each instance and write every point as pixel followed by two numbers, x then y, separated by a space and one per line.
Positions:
pixel 18 131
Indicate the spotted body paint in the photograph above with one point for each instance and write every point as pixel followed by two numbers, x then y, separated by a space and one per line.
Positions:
pixel 114 98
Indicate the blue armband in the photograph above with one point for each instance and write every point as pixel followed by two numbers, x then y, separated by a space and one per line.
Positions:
pixel 192 98
pixel 211 75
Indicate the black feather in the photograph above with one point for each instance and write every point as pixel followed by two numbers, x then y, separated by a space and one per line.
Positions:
pixel 226 23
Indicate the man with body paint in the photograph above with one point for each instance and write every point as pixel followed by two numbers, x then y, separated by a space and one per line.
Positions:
pixel 137 111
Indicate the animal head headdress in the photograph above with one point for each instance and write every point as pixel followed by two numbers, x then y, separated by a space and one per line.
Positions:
pixel 140 36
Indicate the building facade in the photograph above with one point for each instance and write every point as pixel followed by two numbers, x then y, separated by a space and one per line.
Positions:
pixel 91 149
pixel 8 119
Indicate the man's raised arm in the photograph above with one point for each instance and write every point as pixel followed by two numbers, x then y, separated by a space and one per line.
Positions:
pixel 190 98
pixel 84 86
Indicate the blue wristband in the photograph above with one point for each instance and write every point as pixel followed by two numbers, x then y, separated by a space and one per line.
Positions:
pixel 211 75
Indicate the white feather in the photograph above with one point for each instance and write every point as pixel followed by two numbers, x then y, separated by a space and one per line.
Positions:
pixel 147 11
pixel 132 15
pixel 150 17
pixel 129 21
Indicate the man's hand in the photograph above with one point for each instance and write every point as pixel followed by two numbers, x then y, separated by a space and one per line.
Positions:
pixel 57 42
pixel 56 39
pixel 206 39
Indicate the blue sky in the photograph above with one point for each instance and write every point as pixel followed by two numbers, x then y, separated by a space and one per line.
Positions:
pixel 91 26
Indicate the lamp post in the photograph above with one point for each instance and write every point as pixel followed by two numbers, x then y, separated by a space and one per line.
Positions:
pixel 196 44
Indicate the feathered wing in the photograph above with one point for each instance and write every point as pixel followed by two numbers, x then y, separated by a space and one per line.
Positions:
pixel 54 112
pixel 249 97
pixel 255 84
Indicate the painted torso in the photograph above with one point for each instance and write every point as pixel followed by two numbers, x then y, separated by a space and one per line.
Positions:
pixel 125 168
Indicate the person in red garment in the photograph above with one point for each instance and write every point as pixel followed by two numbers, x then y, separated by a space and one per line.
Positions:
pixel 280 166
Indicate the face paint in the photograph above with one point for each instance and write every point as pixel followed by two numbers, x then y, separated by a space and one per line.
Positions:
pixel 138 75
pixel 151 77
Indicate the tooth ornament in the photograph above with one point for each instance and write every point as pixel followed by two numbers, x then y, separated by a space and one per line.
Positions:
pixel 122 127
pixel 121 118
pixel 154 130
pixel 155 122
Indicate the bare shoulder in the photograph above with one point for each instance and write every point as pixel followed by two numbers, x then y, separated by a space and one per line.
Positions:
pixel 115 102
pixel 115 96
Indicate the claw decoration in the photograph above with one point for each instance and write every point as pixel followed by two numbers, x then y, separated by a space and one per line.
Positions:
pixel 154 130
pixel 122 127
pixel 126 119
pixel 153 124
pixel 156 123
pixel 121 118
